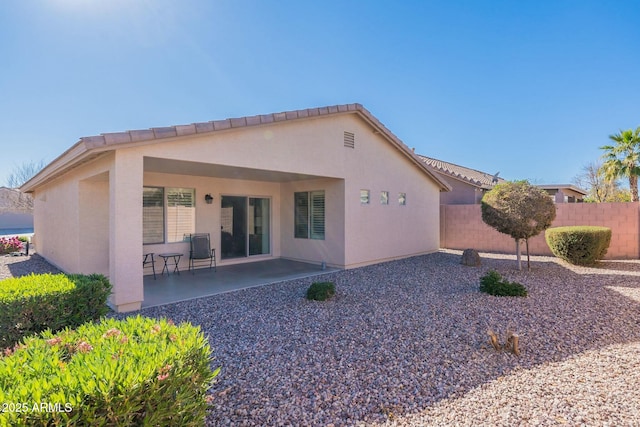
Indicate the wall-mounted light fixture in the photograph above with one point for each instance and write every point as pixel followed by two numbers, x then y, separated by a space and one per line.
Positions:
pixel 208 198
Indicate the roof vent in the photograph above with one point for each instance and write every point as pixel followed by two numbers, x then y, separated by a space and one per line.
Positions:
pixel 349 139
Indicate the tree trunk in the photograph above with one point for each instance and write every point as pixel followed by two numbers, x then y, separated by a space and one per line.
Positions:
pixel 633 185
pixel 518 254
pixel 528 259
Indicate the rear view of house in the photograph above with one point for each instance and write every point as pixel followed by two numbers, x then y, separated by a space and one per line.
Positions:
pixel 330 185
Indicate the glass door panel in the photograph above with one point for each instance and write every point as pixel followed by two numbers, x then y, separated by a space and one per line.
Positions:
pixel 259 220
pixel 233 225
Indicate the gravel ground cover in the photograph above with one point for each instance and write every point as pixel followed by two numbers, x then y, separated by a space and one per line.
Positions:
pixel 404 343
pixel 16 266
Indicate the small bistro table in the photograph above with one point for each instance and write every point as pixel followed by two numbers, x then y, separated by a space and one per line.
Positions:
pixel 176 260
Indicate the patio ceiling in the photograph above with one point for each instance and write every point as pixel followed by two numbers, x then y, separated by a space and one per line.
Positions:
pixel 181 167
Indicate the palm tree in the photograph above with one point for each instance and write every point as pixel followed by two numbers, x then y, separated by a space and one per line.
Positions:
pixel 623 158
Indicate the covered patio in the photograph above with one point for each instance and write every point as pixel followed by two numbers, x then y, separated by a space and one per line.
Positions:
pixel 205 282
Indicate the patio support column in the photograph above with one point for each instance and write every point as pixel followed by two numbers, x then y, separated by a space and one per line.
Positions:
pixel 125 231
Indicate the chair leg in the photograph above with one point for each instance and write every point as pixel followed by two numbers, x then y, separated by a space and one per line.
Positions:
pixel 146 261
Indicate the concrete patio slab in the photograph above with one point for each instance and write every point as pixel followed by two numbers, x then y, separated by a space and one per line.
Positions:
pixel 205 282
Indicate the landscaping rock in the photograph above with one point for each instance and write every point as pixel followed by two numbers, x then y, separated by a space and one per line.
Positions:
pixel 471 258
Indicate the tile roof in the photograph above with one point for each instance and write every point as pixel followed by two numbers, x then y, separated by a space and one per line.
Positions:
pixel 130 136
pixel 472 176
pixel 90 147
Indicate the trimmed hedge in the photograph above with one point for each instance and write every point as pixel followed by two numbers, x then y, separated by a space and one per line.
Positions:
pixel 581 245
pixel 321 291
pixel 33 303
pixel 137 371
pixel 492 283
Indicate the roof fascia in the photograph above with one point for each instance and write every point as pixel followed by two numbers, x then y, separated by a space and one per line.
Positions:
pixel 60 164
pixel 87 146
pixel 397 143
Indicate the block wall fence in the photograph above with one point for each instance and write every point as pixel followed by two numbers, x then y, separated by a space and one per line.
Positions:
pixel 461 227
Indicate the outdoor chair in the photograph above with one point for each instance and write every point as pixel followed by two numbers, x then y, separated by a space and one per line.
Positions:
pixel 148 259
pixel 200 251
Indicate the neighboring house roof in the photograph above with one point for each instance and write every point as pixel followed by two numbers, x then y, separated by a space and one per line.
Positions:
pixel 471 176
pixel 563 186
pixel 88 148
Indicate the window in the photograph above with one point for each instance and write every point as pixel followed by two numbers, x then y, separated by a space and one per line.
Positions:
pixel 309 215
pixel 152 215
pixel 384 197
pixel 172 217
pixel 364 197
pixel 402 199
pixel 181 213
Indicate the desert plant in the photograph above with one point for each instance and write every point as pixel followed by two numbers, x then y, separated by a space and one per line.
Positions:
pixel 320 291
pixel 580 245
pixel 33 303
pixel 493 284
pixel 511 344
pixel 137 371
pixel 520 210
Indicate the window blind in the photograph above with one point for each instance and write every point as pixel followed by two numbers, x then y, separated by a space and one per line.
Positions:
pixel 301 214
pixel 317 215
pixel 181 213
pixel 152 215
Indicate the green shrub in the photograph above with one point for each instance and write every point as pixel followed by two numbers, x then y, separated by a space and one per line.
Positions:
pixel 137 371
pixel 321 291
pixel 581 245
pixel 493 284
pixel 31 304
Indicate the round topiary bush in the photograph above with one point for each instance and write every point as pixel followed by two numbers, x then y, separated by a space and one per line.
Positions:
pixel 580 245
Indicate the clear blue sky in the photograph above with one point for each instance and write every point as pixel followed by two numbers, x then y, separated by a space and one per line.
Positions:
pixel 527 88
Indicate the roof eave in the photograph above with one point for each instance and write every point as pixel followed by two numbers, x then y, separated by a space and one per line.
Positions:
pixel 59 165
pixel 86 146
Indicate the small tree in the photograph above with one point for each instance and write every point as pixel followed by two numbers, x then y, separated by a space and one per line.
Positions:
pixel 593 179
pixel 520 210
pixel 24 172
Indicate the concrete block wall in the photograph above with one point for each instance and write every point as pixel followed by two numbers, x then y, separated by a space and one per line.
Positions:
pixel 461 227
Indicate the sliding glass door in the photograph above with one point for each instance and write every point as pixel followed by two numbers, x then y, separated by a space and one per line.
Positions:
pixel 245 226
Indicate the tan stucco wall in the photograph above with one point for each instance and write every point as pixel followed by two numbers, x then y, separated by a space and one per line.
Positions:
pixel 331 250
pixel 377 232
pixel 93 225
pixel 461 193
pixel 208 215
pixel 316 147
pixel 60 237
pixel 91 218
pixel 308 147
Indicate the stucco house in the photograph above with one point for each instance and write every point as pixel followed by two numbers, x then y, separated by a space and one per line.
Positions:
pixel 565 193
pixel 330 185
pixel 467 185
